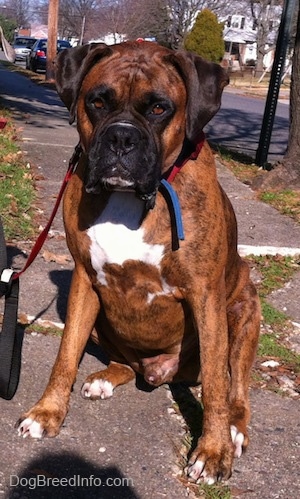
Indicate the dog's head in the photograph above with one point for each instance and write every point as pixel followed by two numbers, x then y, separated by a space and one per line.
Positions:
pixel 135 105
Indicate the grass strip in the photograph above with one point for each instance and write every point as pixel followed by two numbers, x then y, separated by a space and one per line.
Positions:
pixel 17 192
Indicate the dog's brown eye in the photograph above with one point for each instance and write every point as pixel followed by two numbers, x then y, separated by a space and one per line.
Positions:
pixel 158 109
pixel 98 104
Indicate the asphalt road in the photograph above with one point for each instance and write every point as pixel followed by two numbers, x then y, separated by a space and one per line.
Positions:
pixel 238 123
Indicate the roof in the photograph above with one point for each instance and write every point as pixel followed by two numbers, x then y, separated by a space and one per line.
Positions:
pixel 39 31
pixel 239 35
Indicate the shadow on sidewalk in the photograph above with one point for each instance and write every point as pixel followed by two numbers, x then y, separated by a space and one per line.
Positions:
pixel 65 474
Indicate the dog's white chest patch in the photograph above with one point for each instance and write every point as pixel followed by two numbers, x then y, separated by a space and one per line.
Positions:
pixel 116 236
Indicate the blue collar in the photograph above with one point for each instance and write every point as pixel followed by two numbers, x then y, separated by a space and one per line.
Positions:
pixel 189 151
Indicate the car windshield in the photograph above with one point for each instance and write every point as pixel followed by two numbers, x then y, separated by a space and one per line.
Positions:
pixel 24 42
pixel 63 44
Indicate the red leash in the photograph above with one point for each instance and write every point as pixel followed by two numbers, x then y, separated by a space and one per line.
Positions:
pixel 43 235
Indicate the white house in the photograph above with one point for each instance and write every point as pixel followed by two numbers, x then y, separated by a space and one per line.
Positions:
pixel 240 40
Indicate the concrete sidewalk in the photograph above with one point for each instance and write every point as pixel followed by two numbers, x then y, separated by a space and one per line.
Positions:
pixel 132 440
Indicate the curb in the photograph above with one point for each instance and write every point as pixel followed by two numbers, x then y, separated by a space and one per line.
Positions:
pixel 245 250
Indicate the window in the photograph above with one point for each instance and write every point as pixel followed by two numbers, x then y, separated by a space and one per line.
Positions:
pixel 237 22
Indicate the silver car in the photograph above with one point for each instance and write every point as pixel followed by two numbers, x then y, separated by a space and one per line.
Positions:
pixel 23 46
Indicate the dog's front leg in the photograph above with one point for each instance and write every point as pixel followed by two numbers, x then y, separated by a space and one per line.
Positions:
pixel 47 416
pixel 212 459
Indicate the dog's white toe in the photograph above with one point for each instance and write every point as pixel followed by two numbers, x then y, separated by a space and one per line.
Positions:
pixel 30 428
pixel 99 388
pixel 238 440
pixel 197 473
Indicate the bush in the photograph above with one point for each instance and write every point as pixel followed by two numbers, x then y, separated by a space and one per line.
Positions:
pixel 8 26
pixel 206 37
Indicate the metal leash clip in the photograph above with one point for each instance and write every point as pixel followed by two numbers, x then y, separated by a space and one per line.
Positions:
pixel 6 279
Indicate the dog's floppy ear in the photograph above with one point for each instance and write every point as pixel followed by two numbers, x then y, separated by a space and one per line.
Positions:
pixel 204 83
pixel 71 66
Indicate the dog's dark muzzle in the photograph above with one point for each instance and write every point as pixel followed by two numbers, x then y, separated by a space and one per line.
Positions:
pixel 123 156
pixel 122 138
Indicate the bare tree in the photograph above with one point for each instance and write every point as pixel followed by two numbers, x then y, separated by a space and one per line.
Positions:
pixel 131 19
pixel 266 18
pixel 74 17
pixel 19 10
pixel 167 20
pixel 113 18
pixel 183 14
pixel 149 19
pixel 41 11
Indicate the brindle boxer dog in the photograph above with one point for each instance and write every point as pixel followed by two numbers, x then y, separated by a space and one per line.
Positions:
pixel 162 313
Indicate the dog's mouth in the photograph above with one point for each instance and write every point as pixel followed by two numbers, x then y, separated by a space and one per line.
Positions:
pixel 117 180
pixel 117 184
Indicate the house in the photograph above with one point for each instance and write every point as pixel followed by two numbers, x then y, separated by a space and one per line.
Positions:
pixel 240 47
pixel 109 39
pixel 240 36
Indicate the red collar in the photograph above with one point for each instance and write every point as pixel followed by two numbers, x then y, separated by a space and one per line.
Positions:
pixel 189 151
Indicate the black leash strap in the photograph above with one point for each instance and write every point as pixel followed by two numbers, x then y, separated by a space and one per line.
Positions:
pixel 10 341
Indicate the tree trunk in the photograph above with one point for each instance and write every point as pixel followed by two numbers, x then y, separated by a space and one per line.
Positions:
pixel 260 43
pixel 293 149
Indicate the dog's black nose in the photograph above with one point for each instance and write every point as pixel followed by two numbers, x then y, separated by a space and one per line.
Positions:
pixel 122 138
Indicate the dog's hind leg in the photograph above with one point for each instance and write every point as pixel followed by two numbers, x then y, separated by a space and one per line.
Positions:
pixel 101 384
pixel 244 325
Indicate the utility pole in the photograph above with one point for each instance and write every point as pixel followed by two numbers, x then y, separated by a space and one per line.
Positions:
pixel 52 38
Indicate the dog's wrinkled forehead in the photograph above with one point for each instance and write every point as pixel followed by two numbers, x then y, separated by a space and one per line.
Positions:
pixel 140 66
pixel 137 75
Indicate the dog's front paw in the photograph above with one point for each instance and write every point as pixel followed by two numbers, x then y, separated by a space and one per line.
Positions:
pixel 209 465
pixel 97 389
pixel 38 423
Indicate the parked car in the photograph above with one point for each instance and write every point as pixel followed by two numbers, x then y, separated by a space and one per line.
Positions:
pixel 23 46
pixel 37 58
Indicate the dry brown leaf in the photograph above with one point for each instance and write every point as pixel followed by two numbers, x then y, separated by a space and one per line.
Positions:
pixel 53 257
pixel 13 207
pixel 10 157
pixel 22 318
